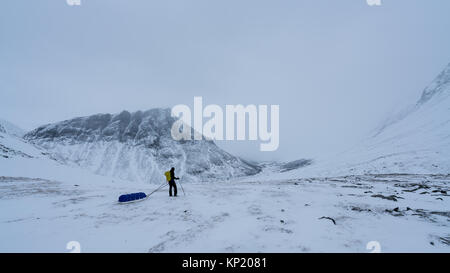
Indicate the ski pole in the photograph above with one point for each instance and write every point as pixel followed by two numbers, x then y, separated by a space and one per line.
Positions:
pixel 182 188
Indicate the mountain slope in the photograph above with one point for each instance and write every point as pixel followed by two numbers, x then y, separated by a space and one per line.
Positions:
pixel 11 129
pixel 12 145
pixel 416 140
pixel 137 147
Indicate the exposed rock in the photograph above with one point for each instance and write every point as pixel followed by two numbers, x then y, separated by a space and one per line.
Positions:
pixel 390 197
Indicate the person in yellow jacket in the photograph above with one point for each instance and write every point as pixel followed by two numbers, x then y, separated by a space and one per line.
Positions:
pixel 170 176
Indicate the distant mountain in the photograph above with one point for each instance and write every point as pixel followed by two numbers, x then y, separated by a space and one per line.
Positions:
pixel 281 167
pixel 416 140
pixel 136 146
pixel 12 145
pixel 11 129
pixel 419 139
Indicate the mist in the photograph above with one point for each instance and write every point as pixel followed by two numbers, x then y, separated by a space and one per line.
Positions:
pixel 335 68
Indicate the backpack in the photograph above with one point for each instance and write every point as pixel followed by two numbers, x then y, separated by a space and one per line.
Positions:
pixel 167 174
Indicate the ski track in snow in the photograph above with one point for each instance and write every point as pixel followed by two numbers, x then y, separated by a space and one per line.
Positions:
pixel 404 213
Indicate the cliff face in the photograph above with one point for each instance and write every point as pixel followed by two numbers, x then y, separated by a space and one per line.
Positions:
pixel 136 146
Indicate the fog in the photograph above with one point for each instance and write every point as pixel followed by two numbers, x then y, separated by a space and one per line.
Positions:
pixel 335 68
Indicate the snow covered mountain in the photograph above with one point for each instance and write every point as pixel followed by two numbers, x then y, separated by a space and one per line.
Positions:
pixel 11 129
pixel 12 145
pixel 281 167
pixel 136 147
pixel 416 140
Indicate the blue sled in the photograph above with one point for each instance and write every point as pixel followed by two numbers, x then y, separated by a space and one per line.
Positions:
pixel 132 197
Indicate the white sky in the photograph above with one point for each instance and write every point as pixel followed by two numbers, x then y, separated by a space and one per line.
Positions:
pixel 336 68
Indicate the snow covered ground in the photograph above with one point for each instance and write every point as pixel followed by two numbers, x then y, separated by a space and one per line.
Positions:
pixel 53 205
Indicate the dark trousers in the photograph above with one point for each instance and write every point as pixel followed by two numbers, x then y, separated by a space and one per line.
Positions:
pixel 172 184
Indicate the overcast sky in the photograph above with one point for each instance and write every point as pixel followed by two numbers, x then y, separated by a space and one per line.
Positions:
pixel 337 68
